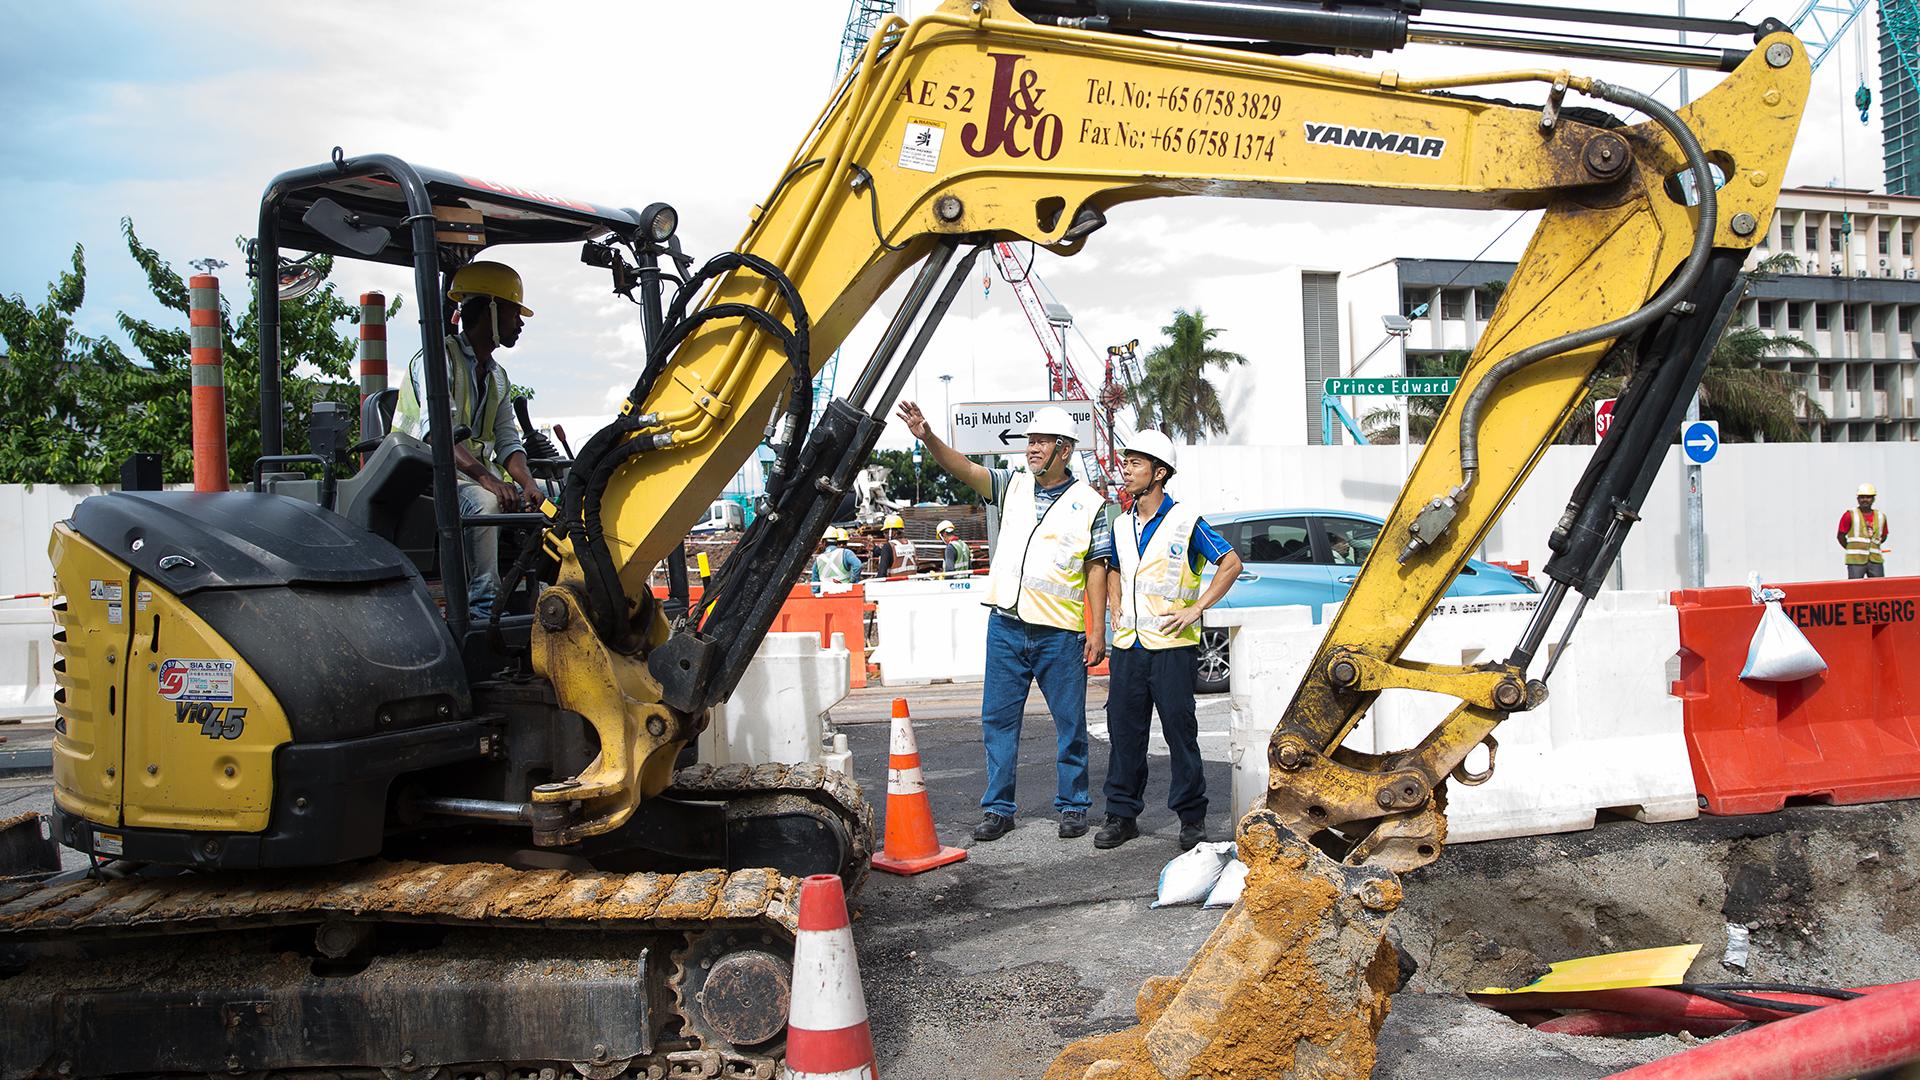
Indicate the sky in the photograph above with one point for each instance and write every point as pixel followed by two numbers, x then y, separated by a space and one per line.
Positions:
pixel 178 116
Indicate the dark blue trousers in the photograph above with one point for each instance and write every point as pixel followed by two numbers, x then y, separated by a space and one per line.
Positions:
pixel 1142 680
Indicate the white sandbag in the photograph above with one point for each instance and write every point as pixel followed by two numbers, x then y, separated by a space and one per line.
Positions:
pixel 1779 652
pixel 1189 876
pixel 1233 880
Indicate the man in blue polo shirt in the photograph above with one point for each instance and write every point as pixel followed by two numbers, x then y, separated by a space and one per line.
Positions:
pixel 1156 600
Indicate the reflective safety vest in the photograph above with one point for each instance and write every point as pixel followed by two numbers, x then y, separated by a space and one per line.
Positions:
pixel 962 556
pixel 1039 572
pixel 1157 582
pixel 410 411
pixel 831 565
pixel 903 560
pixel 1865 534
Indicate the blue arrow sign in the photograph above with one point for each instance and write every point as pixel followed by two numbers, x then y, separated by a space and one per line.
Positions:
pixel 1701 440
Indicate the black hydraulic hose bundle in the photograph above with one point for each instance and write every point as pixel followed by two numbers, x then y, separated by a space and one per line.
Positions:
pixel 620 441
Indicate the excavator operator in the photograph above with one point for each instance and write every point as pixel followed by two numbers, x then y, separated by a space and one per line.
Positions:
pixel 492 314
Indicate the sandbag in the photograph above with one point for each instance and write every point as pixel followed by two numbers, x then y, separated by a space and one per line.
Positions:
pixel 1190 876
pixel 1233 881
pixel 1779 652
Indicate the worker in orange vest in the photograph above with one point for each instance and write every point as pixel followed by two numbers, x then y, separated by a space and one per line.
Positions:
pixel 1863 536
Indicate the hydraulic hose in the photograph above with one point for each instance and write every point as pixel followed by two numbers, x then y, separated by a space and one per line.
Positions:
pixel 1661 304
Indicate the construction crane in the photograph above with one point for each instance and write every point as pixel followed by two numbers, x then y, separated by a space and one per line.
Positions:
pixel 1050 323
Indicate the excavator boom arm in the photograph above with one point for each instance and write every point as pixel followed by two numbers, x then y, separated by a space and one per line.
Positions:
pixel 975 125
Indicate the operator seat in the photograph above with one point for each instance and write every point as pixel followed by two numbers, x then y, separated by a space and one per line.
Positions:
pixel 391 495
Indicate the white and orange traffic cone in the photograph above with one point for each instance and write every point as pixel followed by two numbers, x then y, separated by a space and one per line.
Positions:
pixel 911 844
pixel 827 1033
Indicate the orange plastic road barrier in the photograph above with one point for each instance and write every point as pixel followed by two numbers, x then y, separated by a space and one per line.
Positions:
pixel 209 384
pixel 828 1037
pixel 911 844
pixel 827 615
pixel 1848 735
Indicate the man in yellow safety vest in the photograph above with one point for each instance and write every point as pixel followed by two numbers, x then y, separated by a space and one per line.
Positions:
pixel 1055 546
pixel 491 317
pixel 1155 605
pixel 1863 536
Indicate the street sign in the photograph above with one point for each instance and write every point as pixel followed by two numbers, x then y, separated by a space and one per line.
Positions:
pixel 1000 427
pixel 1394 387
pixel 1701 441
pixel 1603 417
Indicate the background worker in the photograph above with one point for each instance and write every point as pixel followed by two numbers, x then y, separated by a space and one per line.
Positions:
pixel 1863 536
pixel 956 559
pixel 894 555
pixel 836 565
pixel 1054 550
pixel 489 296
pixel 1156 604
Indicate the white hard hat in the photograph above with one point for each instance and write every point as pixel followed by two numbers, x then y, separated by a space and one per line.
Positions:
pixel 1153 444
pixel 1053 420
pixel 945 527
pixel 1867 489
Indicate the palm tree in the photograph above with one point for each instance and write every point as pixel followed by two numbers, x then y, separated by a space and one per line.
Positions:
pixel 1383 425
pixel 1749 401
pixel 1174 394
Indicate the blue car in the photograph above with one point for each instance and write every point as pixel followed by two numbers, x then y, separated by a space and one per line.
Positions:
pixel 1309 557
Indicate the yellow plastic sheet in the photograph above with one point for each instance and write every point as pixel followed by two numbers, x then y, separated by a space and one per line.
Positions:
pixel 1642 967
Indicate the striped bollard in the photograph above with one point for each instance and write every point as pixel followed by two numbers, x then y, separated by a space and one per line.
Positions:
pixel 209 385
pixel 827 1033
pixel 373 353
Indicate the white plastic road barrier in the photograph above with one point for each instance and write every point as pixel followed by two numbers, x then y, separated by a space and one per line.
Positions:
pixel 779 712
pixel 929 631
pixel 26 660
pixel 1609 737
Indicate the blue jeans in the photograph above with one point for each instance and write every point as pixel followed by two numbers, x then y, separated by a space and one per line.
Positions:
pixel 483 550
pixel 1018 655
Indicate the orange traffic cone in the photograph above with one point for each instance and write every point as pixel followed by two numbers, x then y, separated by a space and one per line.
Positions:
pixel 827 1033
pixel 911 844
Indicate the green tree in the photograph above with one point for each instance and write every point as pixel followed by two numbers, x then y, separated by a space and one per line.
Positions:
pixel 1174 394
pixel 86 405
pixel 934 484
pixel 51 430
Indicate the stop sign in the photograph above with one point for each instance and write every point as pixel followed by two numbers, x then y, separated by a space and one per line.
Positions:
pixel 1602 417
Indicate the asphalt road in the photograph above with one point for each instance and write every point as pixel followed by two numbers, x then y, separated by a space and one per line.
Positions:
pixel 1000 960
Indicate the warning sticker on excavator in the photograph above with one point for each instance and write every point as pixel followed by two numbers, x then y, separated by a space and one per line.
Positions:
pixel 920 146
pixel 196 680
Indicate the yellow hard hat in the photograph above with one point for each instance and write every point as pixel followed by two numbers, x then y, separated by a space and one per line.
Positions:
pixel 894 522
pixel 945 527
pixel 837 533
pixel 486 278
pixel 1867 489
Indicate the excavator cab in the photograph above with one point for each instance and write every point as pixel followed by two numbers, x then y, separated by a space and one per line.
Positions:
pixel 379 208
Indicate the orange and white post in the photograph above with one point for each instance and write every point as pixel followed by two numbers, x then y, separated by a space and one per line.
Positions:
pixel 373 349
pixel 912 846
pixel 209 384
pixel 827 1033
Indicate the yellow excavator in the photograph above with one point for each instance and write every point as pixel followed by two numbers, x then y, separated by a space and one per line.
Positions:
pixel 334 831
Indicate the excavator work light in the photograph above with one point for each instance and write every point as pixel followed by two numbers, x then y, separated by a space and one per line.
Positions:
pixel 658 221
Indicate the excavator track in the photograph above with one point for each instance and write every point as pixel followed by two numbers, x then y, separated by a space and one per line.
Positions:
pixel 776 787
pixel 418 970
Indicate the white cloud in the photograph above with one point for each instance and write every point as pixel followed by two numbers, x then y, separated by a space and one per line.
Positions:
pixel 694 104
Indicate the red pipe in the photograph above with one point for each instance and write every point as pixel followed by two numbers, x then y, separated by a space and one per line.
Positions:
pixel 1661 1001
pixel 1843 1040
pixel 1598 1022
